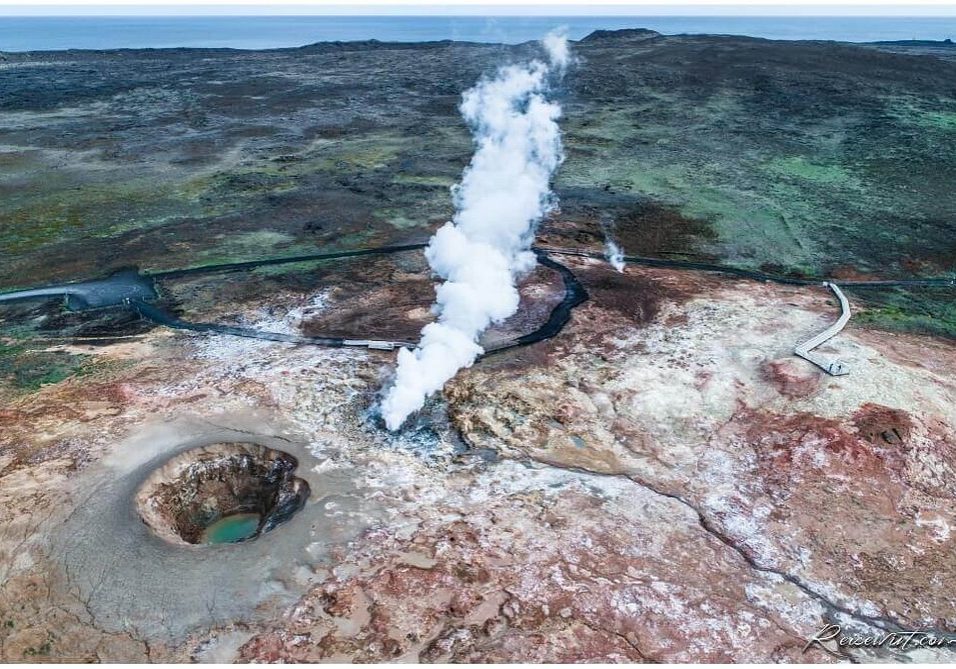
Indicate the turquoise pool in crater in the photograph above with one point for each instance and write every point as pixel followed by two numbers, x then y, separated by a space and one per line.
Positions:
pixel 231 529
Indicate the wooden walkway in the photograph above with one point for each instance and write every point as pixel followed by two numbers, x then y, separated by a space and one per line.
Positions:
pixel 804 350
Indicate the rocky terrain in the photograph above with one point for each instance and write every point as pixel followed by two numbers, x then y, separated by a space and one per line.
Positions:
pixel 662 481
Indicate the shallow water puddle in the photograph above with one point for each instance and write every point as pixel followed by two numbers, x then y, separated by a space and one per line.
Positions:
pixel 231 529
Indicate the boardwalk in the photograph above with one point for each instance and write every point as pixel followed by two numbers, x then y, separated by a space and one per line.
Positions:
pixel 804 350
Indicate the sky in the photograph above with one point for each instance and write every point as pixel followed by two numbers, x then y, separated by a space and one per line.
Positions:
pixel 479 7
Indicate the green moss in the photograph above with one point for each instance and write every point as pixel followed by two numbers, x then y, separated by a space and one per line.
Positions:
pixel 245 245
pixel 920 114
pixel 9 350
pixel 752 226
pixel 25 368
pixel 397 219
pixel 35 378
pixel 290 268
pixel 42 369
pixel 101 209
pixel 899 321
pixel 435 181
pixel 928 311
pixel 369 151
pixel 91 201
pixel 800 167
pixel 815 189
pixel 429 206
pixel 939 119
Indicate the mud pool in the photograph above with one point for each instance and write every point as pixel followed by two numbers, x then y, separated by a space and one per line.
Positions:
pixel 124 572
pixel 209 494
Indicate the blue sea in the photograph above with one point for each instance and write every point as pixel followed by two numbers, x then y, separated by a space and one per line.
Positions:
pixel 262 32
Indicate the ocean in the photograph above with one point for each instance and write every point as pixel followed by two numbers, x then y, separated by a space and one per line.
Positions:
pixel 263 32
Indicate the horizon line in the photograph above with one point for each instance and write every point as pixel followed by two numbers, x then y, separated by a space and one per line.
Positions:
pixel 464 9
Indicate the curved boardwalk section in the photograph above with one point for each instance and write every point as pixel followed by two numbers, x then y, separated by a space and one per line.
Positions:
pixel 804 349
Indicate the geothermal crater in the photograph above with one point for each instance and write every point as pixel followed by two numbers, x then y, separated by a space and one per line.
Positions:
pixel 222 493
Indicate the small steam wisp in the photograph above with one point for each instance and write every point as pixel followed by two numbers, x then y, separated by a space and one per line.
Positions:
pixel 503 194
pixel 614 254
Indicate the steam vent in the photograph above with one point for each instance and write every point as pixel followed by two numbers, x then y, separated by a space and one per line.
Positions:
pixel 222 493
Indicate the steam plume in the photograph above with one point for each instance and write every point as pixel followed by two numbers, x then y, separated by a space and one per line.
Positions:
pixel 614 254
pixel 503 194
pixel 559 53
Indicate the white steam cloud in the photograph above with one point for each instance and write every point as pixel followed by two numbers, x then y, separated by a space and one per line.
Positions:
pixel 614 254
pixel 503 194
pixel 559 53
